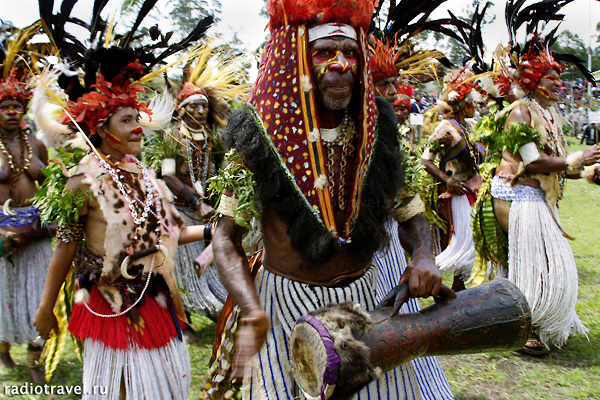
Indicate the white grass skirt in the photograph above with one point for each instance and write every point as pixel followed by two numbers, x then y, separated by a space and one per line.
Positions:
pixel 162 373
pixel 459 256
pixel 542 265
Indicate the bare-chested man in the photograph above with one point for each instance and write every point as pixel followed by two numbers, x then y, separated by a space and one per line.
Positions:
pixel 26 248
pixel 526 189
pixel 325 158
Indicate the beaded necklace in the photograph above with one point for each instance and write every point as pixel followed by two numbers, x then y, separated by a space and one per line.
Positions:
pixel 152 197
pixel 345 139
pixel 26 152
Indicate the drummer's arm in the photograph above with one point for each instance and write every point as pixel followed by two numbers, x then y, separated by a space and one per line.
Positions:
pixel 234 272
pixel 423 277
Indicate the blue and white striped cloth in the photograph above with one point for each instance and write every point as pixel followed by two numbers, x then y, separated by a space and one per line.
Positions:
pixel 269 375
pixel 427 375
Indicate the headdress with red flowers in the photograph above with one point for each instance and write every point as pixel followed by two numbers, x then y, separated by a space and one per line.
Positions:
pixel 383 57
pixel 14 87
pixel 94 108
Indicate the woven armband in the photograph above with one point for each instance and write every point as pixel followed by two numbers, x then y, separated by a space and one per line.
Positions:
pixel 228 204
pixel 529 153
pixel 70 232
pixel 414 207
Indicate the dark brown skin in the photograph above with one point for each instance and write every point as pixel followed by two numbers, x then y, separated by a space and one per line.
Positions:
pixel 335 66
pixel 10 128
pixel 547 93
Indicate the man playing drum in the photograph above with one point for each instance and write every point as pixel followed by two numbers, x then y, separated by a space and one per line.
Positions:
pixel 324 155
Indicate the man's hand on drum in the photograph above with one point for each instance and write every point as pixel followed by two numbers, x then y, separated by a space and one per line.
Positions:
pixel 423 277
pixel 251 335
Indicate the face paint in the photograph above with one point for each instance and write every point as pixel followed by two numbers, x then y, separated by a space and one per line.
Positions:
pixel 339 61
pixel 137 129
pixel 113 139
pixel 544 92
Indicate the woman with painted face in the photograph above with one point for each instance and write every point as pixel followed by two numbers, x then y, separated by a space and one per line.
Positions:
pixel 127 308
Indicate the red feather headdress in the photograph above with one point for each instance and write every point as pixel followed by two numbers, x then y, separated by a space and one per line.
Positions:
pixel 383 57
pixel 458 85
pixel 534 64
pixel 94 108
pixel 189 89
pixel 356 13
pixel 14 87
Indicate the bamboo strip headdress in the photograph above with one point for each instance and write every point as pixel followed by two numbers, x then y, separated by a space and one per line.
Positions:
pixel 217 74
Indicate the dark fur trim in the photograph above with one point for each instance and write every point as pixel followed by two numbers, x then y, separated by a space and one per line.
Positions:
pixel 308 235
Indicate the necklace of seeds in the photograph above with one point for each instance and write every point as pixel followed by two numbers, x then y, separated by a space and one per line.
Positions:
pixel 152 197
pixel 347 151
pixel 26 153
pixel 199 164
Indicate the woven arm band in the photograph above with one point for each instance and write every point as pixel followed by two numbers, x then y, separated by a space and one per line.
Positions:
pixel 414 207
pixel 70 232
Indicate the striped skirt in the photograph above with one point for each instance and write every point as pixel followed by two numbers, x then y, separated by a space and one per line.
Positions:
pixel 268 375
pixel 22 277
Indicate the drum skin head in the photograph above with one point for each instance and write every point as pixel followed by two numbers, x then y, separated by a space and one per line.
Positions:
pixel 308 358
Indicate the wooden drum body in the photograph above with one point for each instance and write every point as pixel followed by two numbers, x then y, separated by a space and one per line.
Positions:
pixel 339 349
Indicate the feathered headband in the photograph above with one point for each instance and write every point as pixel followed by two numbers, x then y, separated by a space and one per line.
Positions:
pixel 382 57
pixel 14 87
pixel 535 63
pixel 189 93
pixel 458 85
pixel 356 13
pixel 93 108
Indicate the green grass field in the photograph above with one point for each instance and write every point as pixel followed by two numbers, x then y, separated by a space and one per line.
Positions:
pixel 568 373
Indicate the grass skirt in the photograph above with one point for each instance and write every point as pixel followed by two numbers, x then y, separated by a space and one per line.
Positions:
pixel 144 349
pixel 22 277
pixel 459 256
pixel 541 263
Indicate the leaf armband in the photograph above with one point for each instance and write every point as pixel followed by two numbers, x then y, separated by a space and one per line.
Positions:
pixel 235 184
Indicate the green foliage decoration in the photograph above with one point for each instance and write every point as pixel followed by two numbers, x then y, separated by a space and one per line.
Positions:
pixel 234 178
pixel 56 204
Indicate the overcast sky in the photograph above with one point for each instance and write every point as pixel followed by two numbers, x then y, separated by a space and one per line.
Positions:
pixel 242 17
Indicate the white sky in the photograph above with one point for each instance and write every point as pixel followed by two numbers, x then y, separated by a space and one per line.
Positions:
pixel 242 17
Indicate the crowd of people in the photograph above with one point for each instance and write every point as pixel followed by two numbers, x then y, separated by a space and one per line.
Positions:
pixel 314 191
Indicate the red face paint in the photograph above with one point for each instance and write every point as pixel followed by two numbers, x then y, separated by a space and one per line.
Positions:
pixel 137 129
pixel 113 139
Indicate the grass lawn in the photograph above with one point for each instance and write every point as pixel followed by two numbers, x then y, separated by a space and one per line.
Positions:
pixel 568 373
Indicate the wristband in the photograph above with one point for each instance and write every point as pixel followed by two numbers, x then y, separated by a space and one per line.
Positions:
pixel 193 202
pixel 208 232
